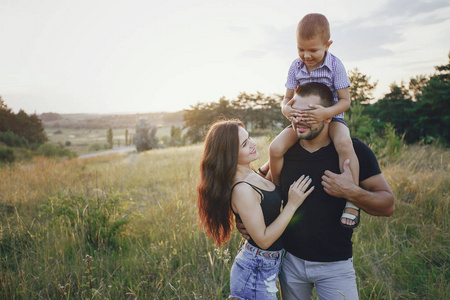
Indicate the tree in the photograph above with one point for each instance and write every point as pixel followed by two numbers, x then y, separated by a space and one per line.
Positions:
pixel 416 85
pixel 176 138
pixel 361 88
pixel 27 126
pixel 360 124
pixel 145 138
pixel 5 116
pixel 110 137
pixel 395 108
pixel 197 120
pixel 432 111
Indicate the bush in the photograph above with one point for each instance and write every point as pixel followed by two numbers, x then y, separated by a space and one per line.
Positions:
pixel 99 219
pixel 13 140
pixel 145 138
pixel 7 155
pixel 389 146
pixel 97 147
pixel 50 150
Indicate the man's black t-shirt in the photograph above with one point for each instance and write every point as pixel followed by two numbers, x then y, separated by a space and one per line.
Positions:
pixel 315 232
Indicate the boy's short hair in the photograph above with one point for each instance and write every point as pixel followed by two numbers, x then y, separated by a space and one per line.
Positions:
pixel 314 25
pixel 317 89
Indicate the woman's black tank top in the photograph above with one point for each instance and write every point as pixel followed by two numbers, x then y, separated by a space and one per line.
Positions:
pixel 270 205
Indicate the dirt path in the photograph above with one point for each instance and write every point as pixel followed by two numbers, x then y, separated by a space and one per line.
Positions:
pixel 118 150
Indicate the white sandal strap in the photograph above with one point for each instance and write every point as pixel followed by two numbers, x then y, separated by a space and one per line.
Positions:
pixel 349 216
pixel 351 205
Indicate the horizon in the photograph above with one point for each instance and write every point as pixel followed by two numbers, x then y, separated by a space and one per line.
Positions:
pixel 77 58
pixel 113 113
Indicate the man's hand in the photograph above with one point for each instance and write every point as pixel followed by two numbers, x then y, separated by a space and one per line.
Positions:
pixel 339 185
pixel 241 228
pixel 314 116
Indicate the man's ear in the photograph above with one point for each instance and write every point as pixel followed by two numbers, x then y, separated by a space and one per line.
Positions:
pixel 328 121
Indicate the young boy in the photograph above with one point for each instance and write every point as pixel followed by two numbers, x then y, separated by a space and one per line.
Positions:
pixel 316 64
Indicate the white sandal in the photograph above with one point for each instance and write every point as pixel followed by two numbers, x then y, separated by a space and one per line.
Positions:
pixel 352 217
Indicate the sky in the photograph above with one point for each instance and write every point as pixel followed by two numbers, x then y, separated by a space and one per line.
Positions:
pixel 137 56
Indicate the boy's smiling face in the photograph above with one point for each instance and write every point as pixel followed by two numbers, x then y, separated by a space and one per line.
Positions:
pixel 312 51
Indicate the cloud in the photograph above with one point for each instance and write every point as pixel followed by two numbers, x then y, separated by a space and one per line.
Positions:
pixel 417 10
pixel 370 36
pixel 354 41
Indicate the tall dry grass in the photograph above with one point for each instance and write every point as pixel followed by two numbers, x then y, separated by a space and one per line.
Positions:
pixel 126 227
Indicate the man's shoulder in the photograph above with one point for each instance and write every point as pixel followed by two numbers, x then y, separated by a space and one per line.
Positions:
pixel 360 146
pixel 368 163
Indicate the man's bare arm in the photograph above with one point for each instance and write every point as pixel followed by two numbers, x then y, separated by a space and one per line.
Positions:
pixel 374 195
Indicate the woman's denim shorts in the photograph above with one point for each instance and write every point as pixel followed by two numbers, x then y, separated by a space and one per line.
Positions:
pixel 254 273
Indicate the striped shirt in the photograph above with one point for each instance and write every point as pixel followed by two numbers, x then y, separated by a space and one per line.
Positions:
pixel 331 73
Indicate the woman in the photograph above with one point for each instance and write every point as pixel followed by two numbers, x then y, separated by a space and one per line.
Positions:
pixel 230 185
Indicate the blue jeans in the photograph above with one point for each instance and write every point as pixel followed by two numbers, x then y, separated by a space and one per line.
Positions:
pixel 254 275
pixel 332 280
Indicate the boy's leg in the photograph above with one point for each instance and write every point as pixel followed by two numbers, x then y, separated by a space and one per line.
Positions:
pixel 286 139
pixel 340 135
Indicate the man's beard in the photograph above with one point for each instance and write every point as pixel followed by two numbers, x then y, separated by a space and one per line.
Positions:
pixel 313 132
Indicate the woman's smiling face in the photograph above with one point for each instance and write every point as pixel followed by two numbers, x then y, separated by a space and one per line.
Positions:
pixel 247 148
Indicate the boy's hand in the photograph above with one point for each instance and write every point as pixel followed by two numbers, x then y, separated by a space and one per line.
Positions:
pixel 314 116
pixel 290 112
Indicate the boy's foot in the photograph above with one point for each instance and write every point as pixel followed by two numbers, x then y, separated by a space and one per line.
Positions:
pixel 350 216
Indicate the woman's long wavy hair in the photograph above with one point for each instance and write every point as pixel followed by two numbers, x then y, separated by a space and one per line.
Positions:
pixel 217 171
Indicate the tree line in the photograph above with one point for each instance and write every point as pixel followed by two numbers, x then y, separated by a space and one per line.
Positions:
pixel 21 129
pixel 417 111
pixel 257 111
pixel 420 111
pixel 22 136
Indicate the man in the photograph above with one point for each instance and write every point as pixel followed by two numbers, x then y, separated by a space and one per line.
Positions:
pixel 318 248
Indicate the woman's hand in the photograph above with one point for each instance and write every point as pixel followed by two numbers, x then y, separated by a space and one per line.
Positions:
pixel 298 191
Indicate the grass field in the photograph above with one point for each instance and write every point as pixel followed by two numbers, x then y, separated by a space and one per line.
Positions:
pixel 125 227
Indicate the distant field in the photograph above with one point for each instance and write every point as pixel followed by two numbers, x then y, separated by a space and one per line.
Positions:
pixel 81 139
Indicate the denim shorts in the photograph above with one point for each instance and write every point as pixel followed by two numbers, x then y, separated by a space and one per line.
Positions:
pixel 340 120
pixel 254 275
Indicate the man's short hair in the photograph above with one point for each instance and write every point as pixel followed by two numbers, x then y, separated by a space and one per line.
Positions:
pixel 317 89
pixel 314 25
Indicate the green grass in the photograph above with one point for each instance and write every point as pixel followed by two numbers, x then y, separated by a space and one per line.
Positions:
pixel 136 217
